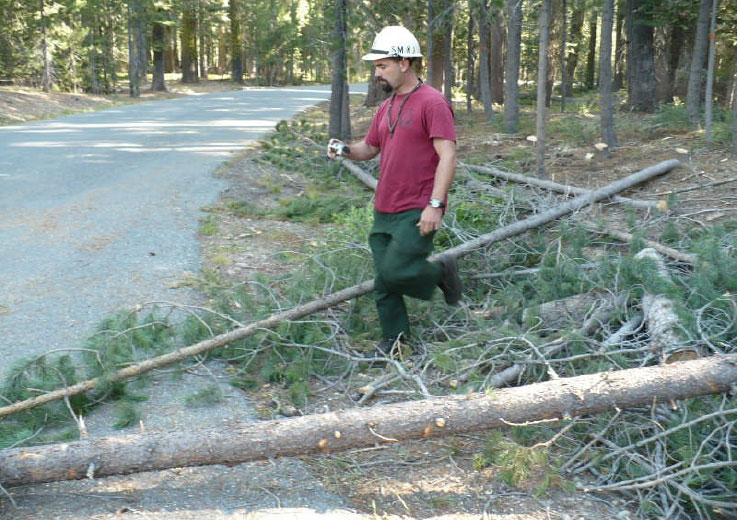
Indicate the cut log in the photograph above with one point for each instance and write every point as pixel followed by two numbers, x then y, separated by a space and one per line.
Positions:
pixel 664 327
pixel 337 431
pixel 346 294
pixel 553 186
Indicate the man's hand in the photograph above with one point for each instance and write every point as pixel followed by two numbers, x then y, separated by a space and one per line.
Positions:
pixel 430 220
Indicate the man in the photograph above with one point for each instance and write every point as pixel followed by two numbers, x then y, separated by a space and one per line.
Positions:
pixel 414 131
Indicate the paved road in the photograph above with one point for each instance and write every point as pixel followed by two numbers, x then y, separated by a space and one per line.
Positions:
pixel 100 211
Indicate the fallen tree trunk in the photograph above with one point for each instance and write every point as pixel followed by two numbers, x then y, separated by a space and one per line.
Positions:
pixel 337 431
pixel 346 294
pixel 553 186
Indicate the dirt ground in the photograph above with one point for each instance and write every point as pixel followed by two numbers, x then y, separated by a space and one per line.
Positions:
pixel 414 480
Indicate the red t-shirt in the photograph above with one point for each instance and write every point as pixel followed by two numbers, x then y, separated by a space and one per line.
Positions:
pixel 408 159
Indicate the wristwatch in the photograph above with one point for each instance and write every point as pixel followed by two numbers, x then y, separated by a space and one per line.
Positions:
pixel 436 203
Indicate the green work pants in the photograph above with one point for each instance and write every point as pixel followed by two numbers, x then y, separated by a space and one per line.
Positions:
pixel 401 267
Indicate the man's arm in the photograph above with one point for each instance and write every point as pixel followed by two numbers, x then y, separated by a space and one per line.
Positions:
pixel 360 151
pixel 430 218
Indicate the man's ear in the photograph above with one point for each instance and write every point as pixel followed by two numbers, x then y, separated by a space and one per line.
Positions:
pixel 404 65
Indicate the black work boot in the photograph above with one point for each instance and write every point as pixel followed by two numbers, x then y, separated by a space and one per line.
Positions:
pixel 450 282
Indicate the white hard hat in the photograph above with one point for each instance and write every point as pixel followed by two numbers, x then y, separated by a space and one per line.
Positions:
pixel 394 42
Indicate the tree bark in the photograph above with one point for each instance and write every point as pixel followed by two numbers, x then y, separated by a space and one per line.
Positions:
pixel 234 13
pixel 642 91
pixel 46 80
pixel 607 101
pixel 496 53
pixel 544 23
pixel 382 424
pixel 343 295
pixel 158 41
pixel 674 47
pixel 189 43
pixel 512 64
pixel 710 76
pixel 591 52
pixel 696 69
pixel 564 29
pixel 134 89
pixel 448 62
pixel 470 61
pixel 620 47
pixel 338 124
pixel 484 51
pixel 575 36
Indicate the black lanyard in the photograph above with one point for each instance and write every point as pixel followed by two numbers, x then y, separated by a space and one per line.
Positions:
pixel 392 101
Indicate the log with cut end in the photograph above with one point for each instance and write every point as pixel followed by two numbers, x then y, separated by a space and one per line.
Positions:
pixel 330 432
pixel 664 326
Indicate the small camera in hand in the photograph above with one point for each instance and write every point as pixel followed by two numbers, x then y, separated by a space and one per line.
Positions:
pixel 339 148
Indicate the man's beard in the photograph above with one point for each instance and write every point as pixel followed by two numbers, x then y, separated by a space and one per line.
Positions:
pixel 385 85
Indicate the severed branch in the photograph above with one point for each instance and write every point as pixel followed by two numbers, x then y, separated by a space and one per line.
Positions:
pixel 664 250
pixel 349 293
pixel 553 186
pixel 338 431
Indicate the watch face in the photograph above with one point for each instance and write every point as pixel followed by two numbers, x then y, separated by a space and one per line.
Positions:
pixel 435 203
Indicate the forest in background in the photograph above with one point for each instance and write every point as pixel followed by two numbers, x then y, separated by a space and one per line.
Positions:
pixel 97 45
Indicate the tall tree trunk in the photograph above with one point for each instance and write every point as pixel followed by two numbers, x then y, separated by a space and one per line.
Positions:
pixel 430 43
pixel 436 66
pixel 142 45
pixel 134 82
pixel 590 76
pixel 46 72
pixel 575 36
pixel 189 42
pixel 696 69
pixel 202 39
pixel 710 76
pixel 565 19
pixel 496 54
pixel 674 47
pixel 448 63
pixel 607 103
pixel 543 24
pixel 484 50
pixel 170 54
pixel 234 13
pixel 158 44
pixel 642 91
pixel 338 124
pixel 620 46
pixel 512 64
pixel 470 61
